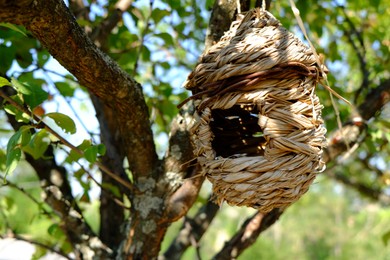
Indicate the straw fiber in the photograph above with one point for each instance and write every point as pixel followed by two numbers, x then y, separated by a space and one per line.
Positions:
pixel 259 134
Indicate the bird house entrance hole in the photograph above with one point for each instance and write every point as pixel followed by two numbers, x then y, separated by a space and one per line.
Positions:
pixel 237 132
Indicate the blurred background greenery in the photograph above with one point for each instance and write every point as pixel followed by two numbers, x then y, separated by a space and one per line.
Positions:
pixel 159 43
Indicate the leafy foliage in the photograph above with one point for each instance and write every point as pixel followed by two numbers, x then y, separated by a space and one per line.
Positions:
pixel 158 43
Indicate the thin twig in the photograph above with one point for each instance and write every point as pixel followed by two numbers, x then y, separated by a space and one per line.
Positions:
pixel 110 193
pixel 360 52
pixel 192 229
pixel 248 233
pixel 63 140
pixel 143 35
pixel 17 237
pixel 59 74
pixel 13 185
pixel 70 107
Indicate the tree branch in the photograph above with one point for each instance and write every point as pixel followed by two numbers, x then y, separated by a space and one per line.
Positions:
pixel 62 140
pixel 192 230
pixel 248 234
pixel 360 52
pixel 180 167
pixel 222 16
pixel 111 213
pixel 51 249
pixel 53 25
pixel 352 130
pixel 23 191
pixel 100 33
pixel 372 193
pixel 57 193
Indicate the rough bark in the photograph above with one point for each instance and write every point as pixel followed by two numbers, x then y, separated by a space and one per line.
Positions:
pixel 165 199
pixel 248 234
pixel 111 213
pixel 191 231
pixel 52 23
pixel 162 194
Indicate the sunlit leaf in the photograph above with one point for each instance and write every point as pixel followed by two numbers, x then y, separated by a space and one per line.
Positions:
pixel 158 14
pixel 39 253
pixel 19 115
pixel 13 158
pixel 38 145
pixel 63 121
pixel 112 188
pixel 14 28
pixel 3 157
pixel 4 82
pixel 26 135
pixel 91 154
pixel 66 89
pixel 33 95
pixel 167 38
pixel 20 87
pixel 14 140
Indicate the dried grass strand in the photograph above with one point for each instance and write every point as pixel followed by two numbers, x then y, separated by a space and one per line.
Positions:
pixel 259 134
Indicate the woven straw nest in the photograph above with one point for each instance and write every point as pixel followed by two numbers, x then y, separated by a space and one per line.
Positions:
pixel 259 133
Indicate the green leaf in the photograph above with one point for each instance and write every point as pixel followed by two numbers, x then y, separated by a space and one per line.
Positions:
pixel 19 115
pixel 33 95
pixel 167 38
pixel 13 158
pixel 26 135
pixel 91 154
pixel 63 121
pixel 145 53
pixel 20 87
pixel 385 123
pixel 101 149
pixel 14 141
pixel 38 145
pixel 14 28
pixel 39 253
pixel 21 138
pixel 386 238
pixel 66 89
pixel 209 4
pixel 112 188
pixel 4 82
pixel 43 57
pixel 3 157
pixel 53 229
pixel 38 95
pixel 85 144
pixel 7 55
pixel 79 174
pixel 75 156
pixel 375 3
pixel 158 14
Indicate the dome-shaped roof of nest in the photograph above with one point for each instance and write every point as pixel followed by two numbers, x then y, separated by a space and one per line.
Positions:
pixel 259 134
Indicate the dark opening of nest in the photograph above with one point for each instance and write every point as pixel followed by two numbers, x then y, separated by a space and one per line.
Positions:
pixel 237 132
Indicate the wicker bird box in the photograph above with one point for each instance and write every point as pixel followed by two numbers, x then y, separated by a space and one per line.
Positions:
pixel 259 134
